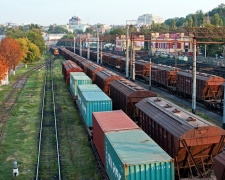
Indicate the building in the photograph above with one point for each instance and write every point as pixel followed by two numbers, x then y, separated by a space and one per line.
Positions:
pixel 81 27
pixel 183 48
pixel 75 20
pixel 121 42
pixel 147 19
pixel 49 37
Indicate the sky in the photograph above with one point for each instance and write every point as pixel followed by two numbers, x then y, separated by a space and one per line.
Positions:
pixel 117 12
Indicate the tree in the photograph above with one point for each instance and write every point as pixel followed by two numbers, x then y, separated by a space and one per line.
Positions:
pixel 195 21
pixel 16 33
pixel 57 29
pixel 11 51
pixel 89 30
pixel 202 19
pixel 190 22
pixel 66 43
pixel 117 31
pixel 173 23
pixel 33 53
pixel 3 68
pixel 216 19
pixel 37 39
pixel 221 22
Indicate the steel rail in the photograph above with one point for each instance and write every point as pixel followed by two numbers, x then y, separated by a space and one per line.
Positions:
pixel 42 118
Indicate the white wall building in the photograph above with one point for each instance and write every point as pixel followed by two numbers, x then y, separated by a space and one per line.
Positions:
pixel 147 19
pixel 48 37
pixel 82 27
pixel 75 20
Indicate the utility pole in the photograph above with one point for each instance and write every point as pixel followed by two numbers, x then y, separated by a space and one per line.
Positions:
pixel 88 50
pixel 131 56
pixel 194 78
pixel 101 54
pixel 150 74
pixel 127 52
pixel 80 46
pixel 149 48
pixel 175 53
pixel 74 41
pixel 97 48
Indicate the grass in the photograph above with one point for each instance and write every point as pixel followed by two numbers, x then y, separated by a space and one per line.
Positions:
pixel 73 138
pixel 20 138
pixel 5 90
pixel 20 141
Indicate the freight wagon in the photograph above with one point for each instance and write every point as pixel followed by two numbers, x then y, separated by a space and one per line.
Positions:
pixel 92 70
pixel 190 140
pixel 219 166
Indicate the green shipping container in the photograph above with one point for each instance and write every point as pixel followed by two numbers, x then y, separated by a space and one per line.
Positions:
pixel 78 78
pixel 93 102
pixel 132 154
pixel 86 88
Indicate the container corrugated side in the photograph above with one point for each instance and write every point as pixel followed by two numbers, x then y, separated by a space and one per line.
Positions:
pixel 72 81
pixel 86 88
pixel 132 154
pixel 106 122
pixel 94 102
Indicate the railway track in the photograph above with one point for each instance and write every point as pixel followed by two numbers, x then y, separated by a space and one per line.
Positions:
pixel 48 165
pixel 11 100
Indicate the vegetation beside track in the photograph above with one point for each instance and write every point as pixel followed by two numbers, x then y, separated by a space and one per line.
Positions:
pixel 77 159
pixel 5 90
pixel 20 137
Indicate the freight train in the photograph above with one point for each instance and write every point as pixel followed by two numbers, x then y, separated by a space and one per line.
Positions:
pixel 209 89
pixel 191 141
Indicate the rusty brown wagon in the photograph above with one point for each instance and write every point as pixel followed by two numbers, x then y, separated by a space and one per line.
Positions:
pixel 189 139
pixel 219 166
pixel 84 64
pixel 125 94
pixel 92 69
pixel 104 78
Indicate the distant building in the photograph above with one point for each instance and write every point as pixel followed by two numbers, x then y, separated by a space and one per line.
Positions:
pixel 147 19
pixel 75 20
pixel 183 48
pixel 121 42
pixel 82 27
pixel 49 37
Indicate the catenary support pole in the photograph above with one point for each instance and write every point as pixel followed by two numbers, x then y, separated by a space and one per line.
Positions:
pixel 101 54
pixel 97 48
pixel 74 44
pixel 80 46
pixel 88 53
pixel 194 79
pixel 127 53
pixel 133 54
pixel 150 74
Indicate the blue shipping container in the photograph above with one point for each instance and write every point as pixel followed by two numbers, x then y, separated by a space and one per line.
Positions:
pixel 93 102
pixel 78 78
pixel 132 154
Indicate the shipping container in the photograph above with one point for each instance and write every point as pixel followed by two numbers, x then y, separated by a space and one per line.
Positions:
pixel 125 94
pixel 78 78
pixel 106 122
pixel 189 139
pixel 132 154
pixel 219 166
pixel 104 78
pixel 86 88
pixel 92 70
pixel 93 102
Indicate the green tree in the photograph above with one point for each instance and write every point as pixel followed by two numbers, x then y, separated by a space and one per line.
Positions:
pixel 216 20
pixel 202 19
pixel 117 31
pixel 78 31
pixel 173 23
pixel 65 43
pixel 57 29
pixel 37 39
pixel 221 22
pixel 190 22
pixel 33 53
pixel 195 21
pixel 15 33
pixel 89 30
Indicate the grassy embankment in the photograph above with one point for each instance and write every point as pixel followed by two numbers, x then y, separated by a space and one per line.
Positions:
pixel 20 140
